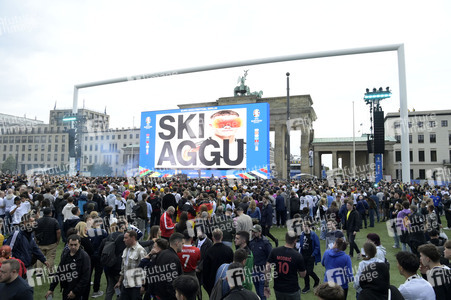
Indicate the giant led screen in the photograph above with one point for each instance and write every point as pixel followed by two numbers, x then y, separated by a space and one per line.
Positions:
pixel 224 141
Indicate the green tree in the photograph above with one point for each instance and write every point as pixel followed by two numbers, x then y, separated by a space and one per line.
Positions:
pixel 10 164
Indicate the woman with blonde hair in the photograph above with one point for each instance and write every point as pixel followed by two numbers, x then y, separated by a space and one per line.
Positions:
pixel 254 212
pixel 219 202
pixel 82 231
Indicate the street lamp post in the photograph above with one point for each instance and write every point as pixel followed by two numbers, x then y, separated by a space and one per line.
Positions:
pixel 353 141
pixel 288 127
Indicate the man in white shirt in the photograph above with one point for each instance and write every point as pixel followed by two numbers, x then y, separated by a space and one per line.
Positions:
pixel 120 205
pixel 310 203
pixel 9 200
pixel 17 211
pixel 66 212
pixel 26 202
pixel 415 287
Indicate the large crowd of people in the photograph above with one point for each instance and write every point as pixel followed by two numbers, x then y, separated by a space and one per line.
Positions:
pixel 175 238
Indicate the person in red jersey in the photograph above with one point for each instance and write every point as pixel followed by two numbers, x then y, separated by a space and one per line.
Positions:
pixel 166 224
pixel 190 257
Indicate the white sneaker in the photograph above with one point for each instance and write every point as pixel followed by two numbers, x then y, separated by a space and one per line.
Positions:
pixel 97 294
pixel 446 228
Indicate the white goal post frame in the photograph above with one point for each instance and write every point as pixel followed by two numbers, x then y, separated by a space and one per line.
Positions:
pixel 401 73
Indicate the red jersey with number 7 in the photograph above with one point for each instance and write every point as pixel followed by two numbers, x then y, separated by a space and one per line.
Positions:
pixel 189 257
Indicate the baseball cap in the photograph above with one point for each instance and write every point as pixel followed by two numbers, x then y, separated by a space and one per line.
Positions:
pixel 257 228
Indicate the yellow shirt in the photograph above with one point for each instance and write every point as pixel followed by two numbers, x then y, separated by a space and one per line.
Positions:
pixel 347 216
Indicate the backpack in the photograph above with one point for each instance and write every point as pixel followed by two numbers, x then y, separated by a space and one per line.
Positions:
pixel 136 209
pixel 108 256
pixel 156 204
pixel 216 292
pixel 295 204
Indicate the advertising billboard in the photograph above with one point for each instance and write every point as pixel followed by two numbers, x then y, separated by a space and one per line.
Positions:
pixel 222 141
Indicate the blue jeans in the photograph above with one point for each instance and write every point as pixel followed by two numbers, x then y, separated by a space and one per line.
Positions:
pixel 259 282
pixel 371 214
pixel 396 238
pixel 60 219
pixel 288 296
pixel 323 230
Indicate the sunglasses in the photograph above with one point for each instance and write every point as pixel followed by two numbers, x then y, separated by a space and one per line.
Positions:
pixel 221 123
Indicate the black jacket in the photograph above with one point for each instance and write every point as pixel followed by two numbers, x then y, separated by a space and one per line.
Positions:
pixel 118 237
pixel 217 255
pixel 79 264
pixel 97 198
pixel 169 200
pixel 352 223
pixel 168 261
pixel 266 219
pixel 59 205
pixel 85 206
pixel 203 250
pixel 18 289
pixel 70 223
pixel 376 287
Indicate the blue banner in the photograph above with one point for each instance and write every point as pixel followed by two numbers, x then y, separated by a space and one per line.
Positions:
pixel 379 167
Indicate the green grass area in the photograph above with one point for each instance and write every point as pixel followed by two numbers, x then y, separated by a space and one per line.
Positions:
pixel 380 228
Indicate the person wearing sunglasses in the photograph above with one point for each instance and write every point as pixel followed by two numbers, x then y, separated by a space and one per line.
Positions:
pixel 225 124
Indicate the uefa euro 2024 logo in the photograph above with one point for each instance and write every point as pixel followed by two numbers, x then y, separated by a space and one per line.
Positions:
pixel 256 113
pixel 148 123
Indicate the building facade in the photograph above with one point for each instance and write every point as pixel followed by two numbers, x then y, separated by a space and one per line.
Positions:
pixel 429 142
pixel 117 148
pixel 342 151
pixel 44 148
pixel 429 148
